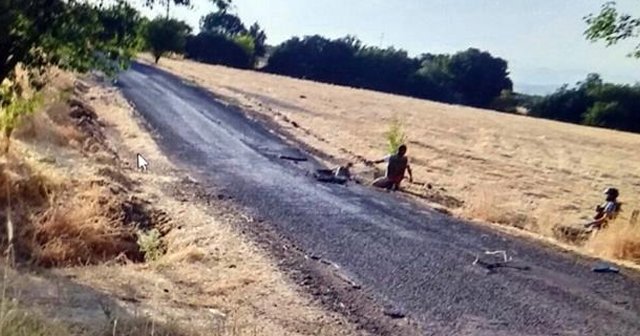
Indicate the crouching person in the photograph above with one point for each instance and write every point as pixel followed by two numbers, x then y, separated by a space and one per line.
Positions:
pixel 606 212
pixel 397 164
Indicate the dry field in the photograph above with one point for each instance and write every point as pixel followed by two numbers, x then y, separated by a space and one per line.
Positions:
pixel 78 207
pixel 507 169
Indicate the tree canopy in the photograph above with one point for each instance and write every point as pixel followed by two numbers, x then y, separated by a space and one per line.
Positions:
pixel 593 102
pixel 70 34
pixel 612 26
pixel 166 35
pixel 470 77
pixel 224 39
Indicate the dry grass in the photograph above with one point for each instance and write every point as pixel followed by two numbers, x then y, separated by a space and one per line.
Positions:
pixel 620 241
pixel 509 169
pixel 59 221
pixel 84 229
pixel 79 212
pixel 16 321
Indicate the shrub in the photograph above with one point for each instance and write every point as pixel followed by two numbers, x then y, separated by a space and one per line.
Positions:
pixel 395 136
pixel 150 244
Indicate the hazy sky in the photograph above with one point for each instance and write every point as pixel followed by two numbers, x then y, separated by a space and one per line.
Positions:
pixel 541 39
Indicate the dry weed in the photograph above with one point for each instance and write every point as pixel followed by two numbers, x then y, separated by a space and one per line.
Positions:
pixel 189 254
pixel 51 127
pixel 84 229
pixel 620 240
pixel 16 321
pixel 142 326
pixel 487 203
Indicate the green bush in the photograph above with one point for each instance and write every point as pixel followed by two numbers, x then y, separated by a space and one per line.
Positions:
pixel 150 244
pixel 395 136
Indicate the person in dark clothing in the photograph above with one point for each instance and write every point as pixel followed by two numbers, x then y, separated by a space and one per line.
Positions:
pixel 397 165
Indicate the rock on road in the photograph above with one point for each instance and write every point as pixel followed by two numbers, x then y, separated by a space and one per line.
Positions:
pixel 413 257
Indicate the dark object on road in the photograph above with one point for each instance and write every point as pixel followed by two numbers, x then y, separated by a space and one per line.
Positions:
pixel 394 313
pixel 295 159
pixel 338 175
pixel 329 176
pixel 605 268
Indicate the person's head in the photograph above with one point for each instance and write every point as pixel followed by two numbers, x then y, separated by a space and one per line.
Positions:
pixel 612 194
pixel 402 150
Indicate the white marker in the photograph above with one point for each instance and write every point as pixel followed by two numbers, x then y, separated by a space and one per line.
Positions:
pixel 142 163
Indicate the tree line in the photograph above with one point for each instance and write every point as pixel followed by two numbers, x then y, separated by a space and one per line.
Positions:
pixel 81 36
pixel 592 102
pixel 471 77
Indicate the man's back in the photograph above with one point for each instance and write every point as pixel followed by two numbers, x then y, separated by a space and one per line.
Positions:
pixel 397 165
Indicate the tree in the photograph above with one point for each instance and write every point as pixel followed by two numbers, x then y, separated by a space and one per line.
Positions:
pixel 209 47
pixel 593 102
pixel 246 43
pixel 222 22
pixel 259 39
pixel 387 70
pixel 71 34
pixel 478 76
pixel 316 58
pixel 166 35
pixel 612 26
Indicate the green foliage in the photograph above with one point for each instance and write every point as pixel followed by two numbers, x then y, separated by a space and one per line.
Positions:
pixel 70 34
pixel 602 113
pixel 478 77
pixel 214 48
pixel 166 35
pixel 593 102
pixel 317 58
pixel 16 107
pixel 150 244
pixel 471 77
pixel 395 136
pixel 611 26
pixel 259 40
pixel 225 40
pixel 246 43
pixel 224 23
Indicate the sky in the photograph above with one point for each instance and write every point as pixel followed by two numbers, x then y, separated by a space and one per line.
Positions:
pixel 541 39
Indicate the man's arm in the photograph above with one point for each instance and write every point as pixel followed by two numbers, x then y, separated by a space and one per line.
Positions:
pixel 385 159
pixel 410 173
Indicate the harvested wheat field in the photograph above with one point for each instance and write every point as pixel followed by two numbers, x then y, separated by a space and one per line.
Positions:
pixel 480 164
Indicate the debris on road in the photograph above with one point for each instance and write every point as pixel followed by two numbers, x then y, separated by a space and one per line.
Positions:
pixel 505 262
pixel 394 313
pixel 292 158
pixel 605 268
pixel 328 176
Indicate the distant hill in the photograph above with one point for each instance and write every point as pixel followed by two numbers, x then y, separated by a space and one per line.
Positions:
pixel 536 89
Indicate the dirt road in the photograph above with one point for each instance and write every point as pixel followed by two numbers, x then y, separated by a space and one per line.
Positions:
pixel 414 258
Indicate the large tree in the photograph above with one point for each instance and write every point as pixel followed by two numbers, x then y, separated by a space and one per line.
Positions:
pixel 224 23
pixel 67 33
pixel 478 76
pixel 612 26
pixel 166 35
